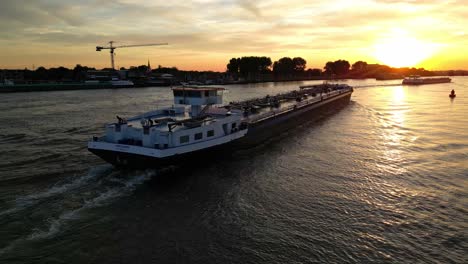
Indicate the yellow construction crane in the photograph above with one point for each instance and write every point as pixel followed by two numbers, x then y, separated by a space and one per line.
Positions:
pixel 111 48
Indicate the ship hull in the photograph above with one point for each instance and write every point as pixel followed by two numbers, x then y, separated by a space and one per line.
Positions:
pixel 257 133
pixel 131 160
pixel 267 129
pixel 426 81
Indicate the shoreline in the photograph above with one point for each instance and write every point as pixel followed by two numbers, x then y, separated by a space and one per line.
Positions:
pixel 50 87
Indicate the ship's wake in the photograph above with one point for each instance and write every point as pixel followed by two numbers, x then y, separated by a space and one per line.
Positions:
pixel 65 202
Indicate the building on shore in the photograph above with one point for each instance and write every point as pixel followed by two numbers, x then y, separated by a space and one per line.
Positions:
pixel 12 75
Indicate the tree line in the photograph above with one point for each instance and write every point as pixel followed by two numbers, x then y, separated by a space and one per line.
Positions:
pixel 286 68
pixel 58 73
pixel 252 67
pixel 249 69
pixel 79 72
pixel 289 66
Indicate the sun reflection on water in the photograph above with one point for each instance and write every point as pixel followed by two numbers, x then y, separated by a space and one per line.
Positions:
pixel 398 102
pixel 393 130
pixel 399 94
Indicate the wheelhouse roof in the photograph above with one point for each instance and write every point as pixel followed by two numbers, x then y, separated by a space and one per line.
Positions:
pixel 197 88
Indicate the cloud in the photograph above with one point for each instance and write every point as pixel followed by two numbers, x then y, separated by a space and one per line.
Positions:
pixel 223 28
pixel 30 12
pixel 250 7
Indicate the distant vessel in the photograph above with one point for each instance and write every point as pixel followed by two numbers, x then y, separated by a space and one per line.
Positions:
pixel 195 125
pixel 452 94
pixel 113 83
pixel 117 83
pixel 109 81
pixel 417 80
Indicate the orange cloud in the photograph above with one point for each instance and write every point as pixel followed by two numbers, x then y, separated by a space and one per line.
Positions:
pixel 205 34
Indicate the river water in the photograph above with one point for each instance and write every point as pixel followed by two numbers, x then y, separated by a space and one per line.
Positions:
pixel 384 180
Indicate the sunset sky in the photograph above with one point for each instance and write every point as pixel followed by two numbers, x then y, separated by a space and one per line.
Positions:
pixel 205 34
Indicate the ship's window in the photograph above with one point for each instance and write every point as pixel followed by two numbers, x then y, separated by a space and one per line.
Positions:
pixel 184 139
pixel 178 93
pixel 194 93
pixel 198 136
pixel 207 93
pixel 233 125
pixel 210 133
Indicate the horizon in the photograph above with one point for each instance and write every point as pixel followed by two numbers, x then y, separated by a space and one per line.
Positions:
pixel 428 35
pixel 225 70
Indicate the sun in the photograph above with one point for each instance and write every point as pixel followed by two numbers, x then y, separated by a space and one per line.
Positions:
pixel 403 51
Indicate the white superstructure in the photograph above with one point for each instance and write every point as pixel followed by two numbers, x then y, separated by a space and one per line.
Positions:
pixel 175 130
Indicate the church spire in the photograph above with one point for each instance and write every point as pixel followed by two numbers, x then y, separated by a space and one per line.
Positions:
pixel 148 71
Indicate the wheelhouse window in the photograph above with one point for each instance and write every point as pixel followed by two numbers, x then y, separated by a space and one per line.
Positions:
pixel 178 93
pixel 210 133
pixel 187 93
pixel 198 136
pixel 184 139
pixel 194 94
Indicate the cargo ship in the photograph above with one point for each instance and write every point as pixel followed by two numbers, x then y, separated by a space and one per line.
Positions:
pixel 417 80
pixel 198 124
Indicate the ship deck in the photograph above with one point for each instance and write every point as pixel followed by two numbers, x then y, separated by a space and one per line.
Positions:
pixel 286 105
pixel 162 117
pixel 254 110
